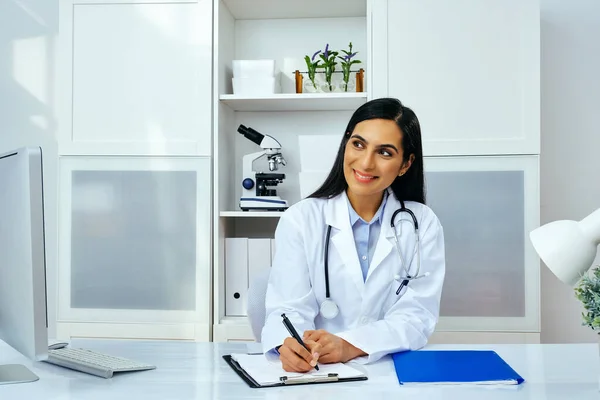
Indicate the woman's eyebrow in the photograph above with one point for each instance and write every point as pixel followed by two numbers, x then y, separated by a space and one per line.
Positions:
pixel 360 138
pixel 389 146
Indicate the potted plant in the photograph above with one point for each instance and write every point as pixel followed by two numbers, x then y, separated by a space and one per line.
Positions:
pixel 329 63
pixel 347 63
pixel 323 65
pixel 588 292
pixel 312 66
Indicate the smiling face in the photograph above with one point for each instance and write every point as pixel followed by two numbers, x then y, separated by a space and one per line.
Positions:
pixel 373 158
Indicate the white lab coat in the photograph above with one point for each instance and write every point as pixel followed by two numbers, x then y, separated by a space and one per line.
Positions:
pixel 371 316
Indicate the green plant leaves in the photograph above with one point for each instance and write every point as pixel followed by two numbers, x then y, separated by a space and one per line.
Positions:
pixel 588 292
pixel 327 61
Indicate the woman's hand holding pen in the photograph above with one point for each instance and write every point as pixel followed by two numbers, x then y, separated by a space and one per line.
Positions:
pixel 295 358
pixel 334 349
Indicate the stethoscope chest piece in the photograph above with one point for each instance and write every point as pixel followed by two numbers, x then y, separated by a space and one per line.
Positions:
pixel 329 309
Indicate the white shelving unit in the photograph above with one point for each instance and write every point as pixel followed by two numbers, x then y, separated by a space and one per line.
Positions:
pixel 472 79
pixel 134 171
pixel 291 9
pixel 482 165
pixel 475 89
pixel 285 31
pixel 296 102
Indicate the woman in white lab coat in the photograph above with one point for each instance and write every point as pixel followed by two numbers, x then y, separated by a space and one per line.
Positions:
pixel 379 164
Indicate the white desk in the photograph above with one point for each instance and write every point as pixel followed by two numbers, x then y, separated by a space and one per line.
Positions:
pixel 197 371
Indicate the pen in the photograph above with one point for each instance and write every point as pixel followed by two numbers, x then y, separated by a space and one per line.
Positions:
pixel 294 334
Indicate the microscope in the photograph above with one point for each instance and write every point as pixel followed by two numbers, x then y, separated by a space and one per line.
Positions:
pixel 256 194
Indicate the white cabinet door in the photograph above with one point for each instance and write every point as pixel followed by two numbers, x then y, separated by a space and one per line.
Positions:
pixel 134 250
pixel 135 78
pixel 469 69
pixel 487 207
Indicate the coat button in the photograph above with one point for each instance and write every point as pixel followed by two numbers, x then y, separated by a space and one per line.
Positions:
pixel 364 320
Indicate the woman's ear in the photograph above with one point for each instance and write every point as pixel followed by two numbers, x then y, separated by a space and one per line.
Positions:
pixel 407 165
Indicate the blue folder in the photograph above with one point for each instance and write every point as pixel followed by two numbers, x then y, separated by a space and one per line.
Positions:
pixel 454 367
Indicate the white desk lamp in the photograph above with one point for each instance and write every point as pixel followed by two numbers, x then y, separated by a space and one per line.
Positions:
pixel 568 248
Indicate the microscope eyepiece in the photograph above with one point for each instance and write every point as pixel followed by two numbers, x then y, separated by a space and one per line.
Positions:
pixel 251 134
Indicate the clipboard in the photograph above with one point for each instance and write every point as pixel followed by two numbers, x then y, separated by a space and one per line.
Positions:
pixel 287 380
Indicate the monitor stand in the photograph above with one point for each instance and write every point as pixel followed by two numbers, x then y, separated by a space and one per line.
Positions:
pixel 16 373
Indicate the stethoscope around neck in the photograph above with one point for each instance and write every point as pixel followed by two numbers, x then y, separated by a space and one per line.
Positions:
pixel 329 309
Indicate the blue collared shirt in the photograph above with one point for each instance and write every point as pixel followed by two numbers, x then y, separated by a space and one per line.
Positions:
pixel 366 235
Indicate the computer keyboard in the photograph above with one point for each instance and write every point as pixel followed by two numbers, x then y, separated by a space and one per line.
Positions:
pixel 94 363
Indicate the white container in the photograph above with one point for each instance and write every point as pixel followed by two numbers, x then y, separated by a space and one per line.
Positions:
pixel 253 68
pixel 255 86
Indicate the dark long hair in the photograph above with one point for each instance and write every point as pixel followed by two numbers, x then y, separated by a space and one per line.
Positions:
pixel 408 187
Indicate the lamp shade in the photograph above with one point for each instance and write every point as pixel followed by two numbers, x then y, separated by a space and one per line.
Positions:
pixel 568 248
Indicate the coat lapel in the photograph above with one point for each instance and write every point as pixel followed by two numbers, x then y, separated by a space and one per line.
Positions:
pixel 342 238
pixel 385 243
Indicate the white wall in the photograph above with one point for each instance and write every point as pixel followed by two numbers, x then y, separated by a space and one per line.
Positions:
pixel 570 148
pixel 28 29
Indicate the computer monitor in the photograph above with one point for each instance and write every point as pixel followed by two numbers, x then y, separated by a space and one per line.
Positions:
pixel 23 316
